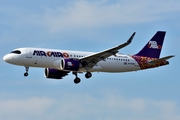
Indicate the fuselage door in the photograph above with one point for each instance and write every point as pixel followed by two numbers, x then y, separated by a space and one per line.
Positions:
pixel 28 53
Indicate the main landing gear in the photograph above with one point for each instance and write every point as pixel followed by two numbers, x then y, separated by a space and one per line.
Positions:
pixel 26 73
pixel 78 80
pixel 88 75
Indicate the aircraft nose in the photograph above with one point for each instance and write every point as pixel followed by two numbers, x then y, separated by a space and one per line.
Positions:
pixel 7 58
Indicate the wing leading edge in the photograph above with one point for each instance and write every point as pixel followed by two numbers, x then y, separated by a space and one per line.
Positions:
pixel 91 60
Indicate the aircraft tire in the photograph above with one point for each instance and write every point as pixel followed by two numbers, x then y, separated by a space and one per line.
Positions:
pixel 88 75
pixel 77 80
pixel 26 74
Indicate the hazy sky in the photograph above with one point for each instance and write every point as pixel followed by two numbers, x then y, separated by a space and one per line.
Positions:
pixel 89 25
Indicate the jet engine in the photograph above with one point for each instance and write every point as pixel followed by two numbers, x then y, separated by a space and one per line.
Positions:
pixel 67 64
pixel 54 73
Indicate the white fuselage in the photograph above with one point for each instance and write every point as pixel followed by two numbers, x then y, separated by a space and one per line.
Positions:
pixel 33 57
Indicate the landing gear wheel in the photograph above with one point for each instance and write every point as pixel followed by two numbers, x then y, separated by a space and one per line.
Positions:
pixel 26 74
pixel 88 75
pixel 77 80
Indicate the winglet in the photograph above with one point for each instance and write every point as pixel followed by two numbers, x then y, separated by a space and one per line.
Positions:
pixel 126 43
pixel 130 39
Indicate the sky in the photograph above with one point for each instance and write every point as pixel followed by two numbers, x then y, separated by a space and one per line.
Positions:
pixel 89 25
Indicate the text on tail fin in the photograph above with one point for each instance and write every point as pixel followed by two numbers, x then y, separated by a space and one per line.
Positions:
pixel 153 47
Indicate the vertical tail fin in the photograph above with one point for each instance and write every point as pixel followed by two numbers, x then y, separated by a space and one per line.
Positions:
pixel 153 47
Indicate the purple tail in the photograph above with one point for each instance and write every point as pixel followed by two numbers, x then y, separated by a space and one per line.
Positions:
pixel 153 47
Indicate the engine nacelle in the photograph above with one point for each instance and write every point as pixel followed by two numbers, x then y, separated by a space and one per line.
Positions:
pixel 67 64
pixel 55 74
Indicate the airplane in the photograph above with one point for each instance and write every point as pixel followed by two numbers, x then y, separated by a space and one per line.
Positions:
pixel 59 63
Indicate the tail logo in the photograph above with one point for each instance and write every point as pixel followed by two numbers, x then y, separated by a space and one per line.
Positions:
pixel 154 45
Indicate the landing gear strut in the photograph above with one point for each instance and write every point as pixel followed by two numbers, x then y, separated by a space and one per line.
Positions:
pixel 26 73
pixel 77 79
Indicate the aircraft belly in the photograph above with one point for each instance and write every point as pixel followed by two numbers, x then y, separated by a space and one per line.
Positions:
pixel 117 66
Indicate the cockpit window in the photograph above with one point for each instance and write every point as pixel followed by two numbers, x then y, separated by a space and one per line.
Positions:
pixel 16 52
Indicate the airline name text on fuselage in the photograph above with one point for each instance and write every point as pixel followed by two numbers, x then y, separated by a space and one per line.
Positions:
pixel 47 54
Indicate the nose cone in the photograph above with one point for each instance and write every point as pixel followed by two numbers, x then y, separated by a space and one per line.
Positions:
pixel 7 58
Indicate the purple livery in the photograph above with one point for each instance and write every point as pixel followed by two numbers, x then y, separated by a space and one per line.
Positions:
pixel 153 48
pixel 151 51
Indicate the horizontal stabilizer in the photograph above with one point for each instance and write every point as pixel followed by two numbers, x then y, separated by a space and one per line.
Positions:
pixel 160 59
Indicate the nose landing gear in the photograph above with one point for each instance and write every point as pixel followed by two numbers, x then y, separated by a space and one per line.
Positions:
pixel 26 73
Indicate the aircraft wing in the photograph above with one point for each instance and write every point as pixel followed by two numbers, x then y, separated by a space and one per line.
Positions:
pixel 91 60
pixel 160 59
